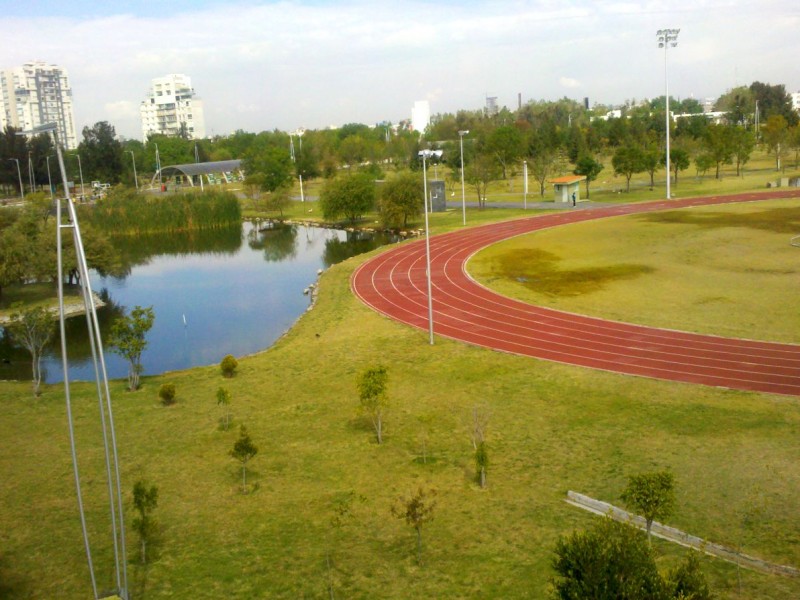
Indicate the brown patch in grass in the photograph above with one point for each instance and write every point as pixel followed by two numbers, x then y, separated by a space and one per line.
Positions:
pixel 538 270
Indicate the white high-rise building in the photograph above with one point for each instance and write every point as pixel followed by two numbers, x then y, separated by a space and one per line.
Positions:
pixel 37 94
pixel 170 104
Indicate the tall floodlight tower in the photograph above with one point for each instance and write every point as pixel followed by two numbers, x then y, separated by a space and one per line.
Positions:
pixel 667 38
pixel 424 155
pixel 117 526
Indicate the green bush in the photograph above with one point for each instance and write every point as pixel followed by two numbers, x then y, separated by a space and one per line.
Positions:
pixel 167 393
pixel 229 365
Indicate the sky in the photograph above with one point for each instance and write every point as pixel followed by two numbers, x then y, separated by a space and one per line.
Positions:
pixel 261 65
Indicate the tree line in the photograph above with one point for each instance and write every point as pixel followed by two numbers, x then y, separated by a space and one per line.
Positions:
pixel 553 136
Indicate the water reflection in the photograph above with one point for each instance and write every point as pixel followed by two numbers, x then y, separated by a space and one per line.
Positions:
pixel 232 291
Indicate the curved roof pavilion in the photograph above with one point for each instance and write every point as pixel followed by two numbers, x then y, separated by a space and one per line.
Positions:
pixel 190 170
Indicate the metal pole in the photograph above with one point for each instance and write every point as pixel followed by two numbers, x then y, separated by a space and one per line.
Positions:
pixel 427 248
pixel 461 135
pixel 49 180
pixel 302 196
pixel 19 174
pixel 667 37
pixel 80 170
pixel 525 184
pixel 31 176
pixel 666 86
pixel 60 267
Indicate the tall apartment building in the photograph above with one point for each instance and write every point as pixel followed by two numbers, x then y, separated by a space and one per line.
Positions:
pixel 171 103
pixel 37 94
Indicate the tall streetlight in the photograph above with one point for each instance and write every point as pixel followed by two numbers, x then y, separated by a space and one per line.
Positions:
pixel 425 154
pixel 19 174
pixel 667 38
pixel 80 170
pixel 135 179
pixel 49 180
pixel 461 135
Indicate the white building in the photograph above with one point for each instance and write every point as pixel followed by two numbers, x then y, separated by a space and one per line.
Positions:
pixel 421 116
pixel 37 94
pixel 170 104
pixel 796 101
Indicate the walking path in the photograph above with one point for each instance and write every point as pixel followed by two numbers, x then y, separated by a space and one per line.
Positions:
pixel 394 284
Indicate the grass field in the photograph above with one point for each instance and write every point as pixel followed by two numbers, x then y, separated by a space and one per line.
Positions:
pixel 552 428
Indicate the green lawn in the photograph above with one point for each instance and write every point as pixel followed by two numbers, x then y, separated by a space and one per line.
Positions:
pixel 552 428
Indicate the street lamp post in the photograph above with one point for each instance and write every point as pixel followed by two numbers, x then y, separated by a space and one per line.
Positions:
pixel 31 176
pixel 667 38
pixel 135 179
pixel 461 135
pixel 427 154
pixel 19 174
pixel 525 184
pixel 49 180
pixel 80 170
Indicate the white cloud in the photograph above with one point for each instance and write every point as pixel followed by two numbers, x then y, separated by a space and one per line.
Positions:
pixel 569 82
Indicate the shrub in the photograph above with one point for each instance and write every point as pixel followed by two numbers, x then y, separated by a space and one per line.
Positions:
pixel 229 365
pixel 167 393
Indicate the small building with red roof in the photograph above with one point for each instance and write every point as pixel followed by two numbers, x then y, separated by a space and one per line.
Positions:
pixel 568 188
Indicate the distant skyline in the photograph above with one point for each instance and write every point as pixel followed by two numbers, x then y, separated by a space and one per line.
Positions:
pixel 313 63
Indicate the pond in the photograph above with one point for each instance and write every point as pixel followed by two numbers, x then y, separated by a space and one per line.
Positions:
pixel 213 293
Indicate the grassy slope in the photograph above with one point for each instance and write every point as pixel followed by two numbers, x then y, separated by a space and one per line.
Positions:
pixel 552 428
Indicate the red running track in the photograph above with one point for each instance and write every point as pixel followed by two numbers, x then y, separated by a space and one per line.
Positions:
pixel 394 283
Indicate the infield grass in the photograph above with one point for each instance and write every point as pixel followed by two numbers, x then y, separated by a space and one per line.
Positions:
pixel 727 270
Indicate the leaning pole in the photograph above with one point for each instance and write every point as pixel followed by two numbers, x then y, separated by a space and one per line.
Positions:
pixel 67 221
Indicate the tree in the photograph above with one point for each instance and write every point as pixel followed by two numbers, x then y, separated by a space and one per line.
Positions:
pixel 371 386
pixel 774 100
pixel 416 511
pixel 505 143
pixel 480 172
pixel 228 365
pixel 651 494
pixel 651 161
pixel 611 561
pixel 742 144
pixel 678 161
pixel 101 153
pixel 167 393
pixel 703 162
pixel 273 165
pixel 277 200
pixel 243 450
pixel 128 339
pixel 626 161
pixel 482 462
pixel 776 135
pixel 349 195
pixel 543 165
pixel 145 500
pixel 224 400
pixel 718 143
pixel 33 328
pixel 400 198
pixel 687 581
pixel 589 168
